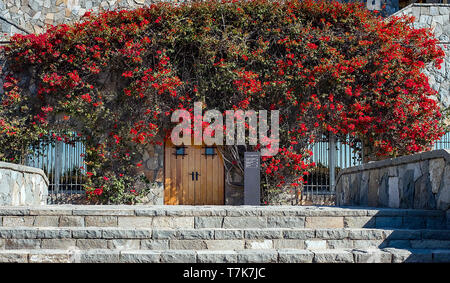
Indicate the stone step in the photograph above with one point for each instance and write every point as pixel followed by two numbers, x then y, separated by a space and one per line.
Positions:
pixel 388 255
pixel 218 238
pixel 221 217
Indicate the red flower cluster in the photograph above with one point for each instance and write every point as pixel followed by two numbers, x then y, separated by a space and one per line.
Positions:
pixel 328 67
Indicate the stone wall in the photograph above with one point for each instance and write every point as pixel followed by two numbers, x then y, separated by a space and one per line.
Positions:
pixel 153 168
pixel 34 15
pixel 420 181
pixel 22 185
pixel 437 17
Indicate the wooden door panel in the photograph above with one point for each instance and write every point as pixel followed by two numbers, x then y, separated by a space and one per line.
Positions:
pixel 203 187
pixel 179 188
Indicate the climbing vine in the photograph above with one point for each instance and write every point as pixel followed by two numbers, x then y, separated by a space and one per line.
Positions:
pixel 115 78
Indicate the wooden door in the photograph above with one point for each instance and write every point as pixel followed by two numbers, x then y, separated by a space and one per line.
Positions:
pixel 194 175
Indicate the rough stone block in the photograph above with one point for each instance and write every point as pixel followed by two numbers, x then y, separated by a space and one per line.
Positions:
pixel 414 222
pixel 48 256
pixel 14 211
pixel 166 234
pixel 388 222
pixel 87 244
pixel 225 244
pixel 402 234
pixel 18 233
pixel 288 244
pixel 62 244
pixel 393 192
pixel 187 245
pixel 299 234
pixel 180 256
pixel 99 256
pixel 18 221
pixel 208 222
pixel 173 222
pixel 71 221
pixel 399 244
pixel 55 211
pixel 258 244
pixel 18 244
pixel 359 222
pixel 154 211
pixel 188 234
pixel 339 244
pixel 362 244
pixel 86 233
pixel 257 256
pixel 13 256
pixel 155 244
pixel 245 222
pixel 295 256
pixel 437 223
pixel 228 234
pixel 285 222
pixel 46 221
pixel 135 222
pixel 140 256
pixel 216 256
pixel 441 256
pixel 315 244
pixel 53 233
pixel 371 256
pixel 101 221
pixel 122 233
pixel 436 235
pixel 334 234
pixel 430 244
pixel 324 222
pixel 263 234
pixel 365 234
pixel 103 210
pixel 402 255
pixel 332 256
pixel 242 211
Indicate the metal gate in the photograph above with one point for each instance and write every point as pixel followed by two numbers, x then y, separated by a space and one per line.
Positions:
pixel 319 187
pixel 63 163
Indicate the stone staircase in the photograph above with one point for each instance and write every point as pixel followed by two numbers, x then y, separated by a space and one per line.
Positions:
pixel 203 234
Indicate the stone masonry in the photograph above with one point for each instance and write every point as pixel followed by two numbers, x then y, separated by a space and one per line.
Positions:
pixel 22 185
pixel 418 181
pixel 285 234
pixel 437 17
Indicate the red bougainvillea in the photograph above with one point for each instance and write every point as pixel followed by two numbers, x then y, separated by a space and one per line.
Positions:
pixel 116 77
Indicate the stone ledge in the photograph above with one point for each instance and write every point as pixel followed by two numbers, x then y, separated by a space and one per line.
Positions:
pixel 433 154
pixel 387 255
pixel 206 211
pixel 24 169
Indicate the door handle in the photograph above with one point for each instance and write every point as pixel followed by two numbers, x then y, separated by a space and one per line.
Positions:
pixel 196 176
pixel 192 174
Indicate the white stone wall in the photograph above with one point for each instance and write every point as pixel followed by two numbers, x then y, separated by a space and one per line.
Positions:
pixel 22 185
pixel 437 17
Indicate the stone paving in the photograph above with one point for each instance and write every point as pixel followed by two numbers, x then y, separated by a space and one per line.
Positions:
pixel 243 234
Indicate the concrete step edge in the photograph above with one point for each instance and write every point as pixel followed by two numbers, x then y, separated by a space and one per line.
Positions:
pixel 247 256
